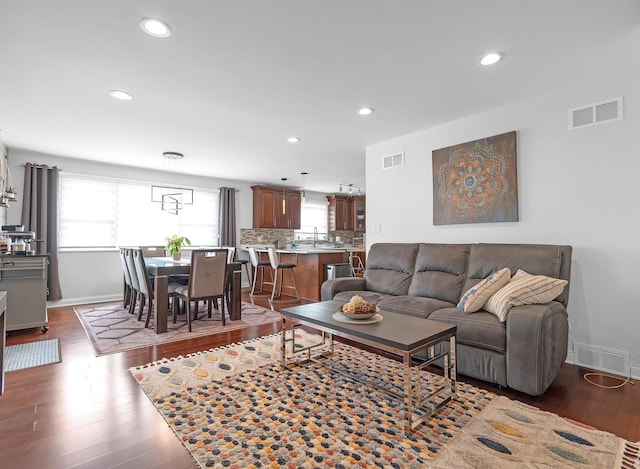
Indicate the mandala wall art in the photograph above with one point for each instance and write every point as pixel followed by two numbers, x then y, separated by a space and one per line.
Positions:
pixel 476 182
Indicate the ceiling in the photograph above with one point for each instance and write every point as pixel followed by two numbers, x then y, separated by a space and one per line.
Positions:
pixel 237 78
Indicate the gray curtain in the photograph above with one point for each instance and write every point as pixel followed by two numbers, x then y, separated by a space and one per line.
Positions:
pixel 227 218
pixel 40 214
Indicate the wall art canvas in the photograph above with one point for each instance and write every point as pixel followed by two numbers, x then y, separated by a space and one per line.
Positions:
pixel 476 182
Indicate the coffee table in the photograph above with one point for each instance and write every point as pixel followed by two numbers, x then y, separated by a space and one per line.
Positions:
pixel 398 334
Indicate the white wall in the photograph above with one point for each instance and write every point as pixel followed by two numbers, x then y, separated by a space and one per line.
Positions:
pixel 575 187
pixel 92 276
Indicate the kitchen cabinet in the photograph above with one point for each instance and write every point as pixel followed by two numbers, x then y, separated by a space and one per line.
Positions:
pixel 340 215
pixel 269 211
pixel 359 214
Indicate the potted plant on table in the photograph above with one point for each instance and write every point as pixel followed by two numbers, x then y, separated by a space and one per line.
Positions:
pixel 175 244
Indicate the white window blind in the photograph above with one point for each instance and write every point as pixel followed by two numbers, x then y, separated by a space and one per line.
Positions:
pixel 99 213
pixel 314 215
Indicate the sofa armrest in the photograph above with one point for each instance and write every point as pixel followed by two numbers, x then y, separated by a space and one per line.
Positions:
pixel 334 286
pixel 537 338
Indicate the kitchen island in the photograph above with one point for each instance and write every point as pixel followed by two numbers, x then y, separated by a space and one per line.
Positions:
pixel 311 266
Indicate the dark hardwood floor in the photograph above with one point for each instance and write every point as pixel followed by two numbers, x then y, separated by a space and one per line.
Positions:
pixel 88 411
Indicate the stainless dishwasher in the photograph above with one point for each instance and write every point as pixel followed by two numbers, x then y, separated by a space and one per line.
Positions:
pixel 24 278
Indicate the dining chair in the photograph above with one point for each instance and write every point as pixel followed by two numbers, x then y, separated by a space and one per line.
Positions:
pixel 153 251
pixel 128 288
pixel 259 266
pixel 280 267
pixel 135 285
pixel 146 288
pixel 207 281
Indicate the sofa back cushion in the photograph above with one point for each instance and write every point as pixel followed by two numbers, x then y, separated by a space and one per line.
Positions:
pixel 390 267
pixel 440 271
pixel 537 259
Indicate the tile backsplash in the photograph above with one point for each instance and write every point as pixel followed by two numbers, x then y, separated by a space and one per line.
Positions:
pixel 272 236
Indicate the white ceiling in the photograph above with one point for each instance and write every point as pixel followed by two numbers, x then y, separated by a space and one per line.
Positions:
pixel 236 78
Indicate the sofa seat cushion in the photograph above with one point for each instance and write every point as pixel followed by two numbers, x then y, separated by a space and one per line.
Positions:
pixel 370 296
pixel 417 306
pixel 480 329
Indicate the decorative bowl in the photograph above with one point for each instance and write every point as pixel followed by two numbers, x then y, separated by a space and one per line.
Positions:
pixel 359 316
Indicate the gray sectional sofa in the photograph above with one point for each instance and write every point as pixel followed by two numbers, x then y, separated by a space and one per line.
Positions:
pixel 524 353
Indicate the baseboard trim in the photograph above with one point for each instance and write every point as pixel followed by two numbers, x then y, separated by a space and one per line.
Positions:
pixel 83 300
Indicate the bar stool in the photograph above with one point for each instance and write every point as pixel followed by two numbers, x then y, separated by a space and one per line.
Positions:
pixel 276 265
pixel 357 267
pixel 258 265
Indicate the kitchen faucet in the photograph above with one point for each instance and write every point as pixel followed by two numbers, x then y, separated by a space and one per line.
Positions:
pixel 315 236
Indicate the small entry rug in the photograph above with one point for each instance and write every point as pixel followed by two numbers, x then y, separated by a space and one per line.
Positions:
pixel 42 352
pixel 112 329
pixel 235 407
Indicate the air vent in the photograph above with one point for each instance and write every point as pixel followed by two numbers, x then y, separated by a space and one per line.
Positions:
pixel 596 113
pixel 613 361
pixel 392 161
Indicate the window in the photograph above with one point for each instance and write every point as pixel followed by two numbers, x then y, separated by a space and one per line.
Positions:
pixel 313 215
pixel 100 213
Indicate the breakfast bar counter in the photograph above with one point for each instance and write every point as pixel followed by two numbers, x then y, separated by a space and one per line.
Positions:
pixel 311 266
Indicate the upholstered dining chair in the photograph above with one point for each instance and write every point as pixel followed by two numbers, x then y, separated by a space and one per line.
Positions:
pixel 207 281
pixel 153 251
pixel 135 286
pixel 146 288
pixel 128 288
pixel 280 267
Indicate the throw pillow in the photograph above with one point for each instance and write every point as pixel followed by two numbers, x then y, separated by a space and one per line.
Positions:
pixel 476 296
pixel 524 289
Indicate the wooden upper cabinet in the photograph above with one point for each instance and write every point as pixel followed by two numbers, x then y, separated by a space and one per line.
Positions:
pixel 359 214
pixel 340 215
pixel 268 209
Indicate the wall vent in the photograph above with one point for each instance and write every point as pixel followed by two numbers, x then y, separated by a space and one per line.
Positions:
pixel 392 161
pixel 614 361
pixel 596 113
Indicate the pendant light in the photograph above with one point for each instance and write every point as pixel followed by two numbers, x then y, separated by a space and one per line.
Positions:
pixel 284 203
pixel 304 191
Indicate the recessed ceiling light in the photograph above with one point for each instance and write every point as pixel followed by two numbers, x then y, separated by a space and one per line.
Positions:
pixel 294 139
pixel 121 95
pixel 155 27
pixel 365 111
pixel 491 58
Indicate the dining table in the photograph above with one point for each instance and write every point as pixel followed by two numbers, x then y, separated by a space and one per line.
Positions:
pixel 162 267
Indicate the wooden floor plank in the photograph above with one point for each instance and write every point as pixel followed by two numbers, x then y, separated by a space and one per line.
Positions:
pixel 89 412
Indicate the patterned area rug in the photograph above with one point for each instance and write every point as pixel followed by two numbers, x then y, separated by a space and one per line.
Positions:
pixel 41 352
pixel 112 329
pixel 234 407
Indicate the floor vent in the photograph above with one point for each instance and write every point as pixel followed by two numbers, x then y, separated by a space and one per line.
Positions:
pixel 596 113
pixel 614 361
pixel 392 161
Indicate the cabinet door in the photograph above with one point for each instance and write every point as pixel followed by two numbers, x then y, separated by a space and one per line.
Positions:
pixel 287 215
pixel 294 207
pixel 340 215
pixel 264 203
pixel 344 213
pixel 359 212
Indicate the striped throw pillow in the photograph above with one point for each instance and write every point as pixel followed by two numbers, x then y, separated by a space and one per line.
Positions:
pixel 475 297
pixel 524 289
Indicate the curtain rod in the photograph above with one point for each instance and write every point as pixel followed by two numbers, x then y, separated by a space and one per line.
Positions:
pixel 237 190
pixel 40 166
